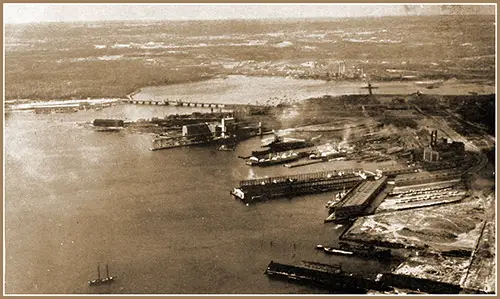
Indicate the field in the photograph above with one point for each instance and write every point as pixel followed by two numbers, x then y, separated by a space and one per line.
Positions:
pixel 112 59
pixel 448 227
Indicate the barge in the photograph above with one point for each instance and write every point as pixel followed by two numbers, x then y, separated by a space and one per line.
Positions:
pixel 273 160
pixel 324 276
pixel 363 251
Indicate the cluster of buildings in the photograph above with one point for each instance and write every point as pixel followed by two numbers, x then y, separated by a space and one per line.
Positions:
pixel 356 72
pixel 226 128
pixel 442 150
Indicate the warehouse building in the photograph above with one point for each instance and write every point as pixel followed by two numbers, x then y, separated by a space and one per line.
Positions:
pixel 196 131
pixel 226 128
pixel 358 199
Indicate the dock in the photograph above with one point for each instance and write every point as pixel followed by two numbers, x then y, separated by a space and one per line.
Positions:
pixel 357 200
pixel 339 282
pixel 324 276
pixel 292 185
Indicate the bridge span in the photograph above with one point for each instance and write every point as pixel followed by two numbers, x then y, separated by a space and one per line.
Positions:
pixel 178 103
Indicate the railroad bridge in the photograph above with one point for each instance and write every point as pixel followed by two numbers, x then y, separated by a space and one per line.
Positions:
pixel 178 103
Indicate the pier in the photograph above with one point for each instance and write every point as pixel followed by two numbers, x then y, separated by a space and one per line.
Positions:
pixel 337 281
pixel 292 185
pixel 324 276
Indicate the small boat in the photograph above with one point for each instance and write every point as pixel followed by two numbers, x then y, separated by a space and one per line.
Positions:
pixel 332 250
pixel 105 280
pixel 226 147
pixel 337 199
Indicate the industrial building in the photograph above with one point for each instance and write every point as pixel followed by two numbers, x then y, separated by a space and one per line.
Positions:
pixel 226 128
pixel 108 122
pixel 443 150
pixel 358 199
pixel 431 155
pixel 355 72
pixel 196 131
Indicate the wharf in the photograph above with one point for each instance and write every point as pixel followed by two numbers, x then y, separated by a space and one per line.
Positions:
pixel 334 280
pixel 340 282
pixel 314 176
pixel 420 284
pixel 292 185
pixel 356 202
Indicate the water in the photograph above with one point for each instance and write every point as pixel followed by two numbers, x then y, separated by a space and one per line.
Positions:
pixel 249 89
pixel 164 221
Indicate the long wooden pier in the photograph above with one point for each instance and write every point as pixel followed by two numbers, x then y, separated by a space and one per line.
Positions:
pixel 293 185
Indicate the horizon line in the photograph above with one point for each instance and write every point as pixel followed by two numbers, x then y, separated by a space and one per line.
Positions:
pixel 248 19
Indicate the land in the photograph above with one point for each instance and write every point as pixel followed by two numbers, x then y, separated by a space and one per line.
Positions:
pixel 114 59
pixel 437 214
pixel 444 227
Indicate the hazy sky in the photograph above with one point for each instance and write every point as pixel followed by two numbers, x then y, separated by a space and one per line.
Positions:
pixel 27 13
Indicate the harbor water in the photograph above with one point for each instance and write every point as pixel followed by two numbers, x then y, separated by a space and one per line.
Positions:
pixel 163 221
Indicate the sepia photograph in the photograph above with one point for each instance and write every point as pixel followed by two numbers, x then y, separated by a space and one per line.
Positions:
pixel 249 148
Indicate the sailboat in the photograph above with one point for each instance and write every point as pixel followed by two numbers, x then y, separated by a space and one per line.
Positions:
pixel 99 280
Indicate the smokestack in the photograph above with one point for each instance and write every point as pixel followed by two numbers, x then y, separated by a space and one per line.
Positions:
pixel 434 137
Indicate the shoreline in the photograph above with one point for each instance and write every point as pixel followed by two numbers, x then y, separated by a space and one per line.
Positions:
pixel 421 80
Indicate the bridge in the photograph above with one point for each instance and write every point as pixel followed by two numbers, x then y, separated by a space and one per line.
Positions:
pixel 179 103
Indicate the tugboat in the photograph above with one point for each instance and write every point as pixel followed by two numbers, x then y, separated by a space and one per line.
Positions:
pixel 330 205
pixel 106 280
